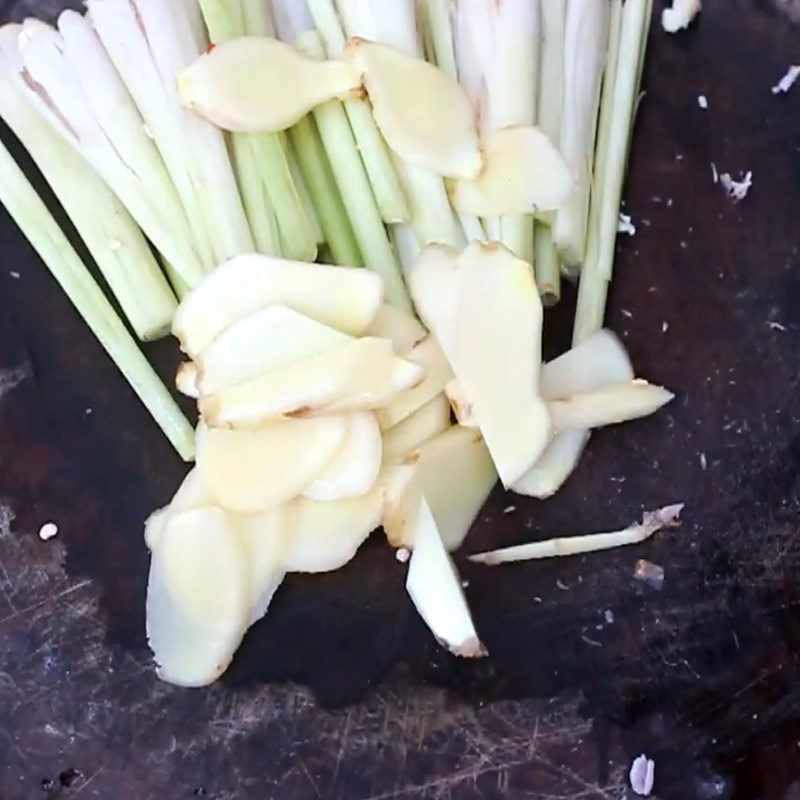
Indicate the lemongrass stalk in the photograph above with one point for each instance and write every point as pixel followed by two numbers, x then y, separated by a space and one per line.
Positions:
pixel 374 151
pixel 497 55
pixel 302 189
pixel 354 187
pixel 179 285
pixel 434 16
pixel 295 26
pixel 255 16
pixel 113 239
pixel 616 140
pixel 34 220
pixel 276 213
pixel 395 24
pixel 547 265
pixel 171 39
pixel 260 213
pixel 149 42
pixel 628 39
pixel 321 184
pixel 54 74
pixel 435 22
pixel 197 26
pixel 406 246
pixel 117 25
pixel 432 217
pixel 548 119
pixel 585 42
pixel 652 522
pixel 391 23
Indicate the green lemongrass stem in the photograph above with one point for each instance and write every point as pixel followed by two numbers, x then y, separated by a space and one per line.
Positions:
pixel 652 522
pixel 394 24
pixel 260 213
pixel 70 82
pixel 548 119
pixel 632 41
pixel 276 208
pixel 547 266
pixel 406 246
pixel 631 21
pixel 179 285
pixel 302 189
pixel 356 192
pixel 585 45
pixel 34 220
pixel 374 151
pixel 113 239
pixel 150 43
pixel 434 17
pixel 321 184
pixel 432 216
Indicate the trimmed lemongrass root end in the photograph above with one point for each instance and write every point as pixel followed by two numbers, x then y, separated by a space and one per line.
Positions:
pixel 653 521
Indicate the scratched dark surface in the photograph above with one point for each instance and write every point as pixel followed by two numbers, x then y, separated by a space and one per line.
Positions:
pixel 340 693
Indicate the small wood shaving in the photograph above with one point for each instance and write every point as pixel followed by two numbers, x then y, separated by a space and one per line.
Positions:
pixel 736 190
pixel 649 573
pixel 48 531
pixel 652 522
pixel 680 15
pixel 702 101
pixel 788 80
pixel 714 173
pixel 509 509
pixel 642 775
pixel 402 555
pixel 625 225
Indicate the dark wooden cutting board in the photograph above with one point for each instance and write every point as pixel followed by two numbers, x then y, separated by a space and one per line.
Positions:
pixel 340 693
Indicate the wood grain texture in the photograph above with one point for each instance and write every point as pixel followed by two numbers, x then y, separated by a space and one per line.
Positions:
pixel 340 693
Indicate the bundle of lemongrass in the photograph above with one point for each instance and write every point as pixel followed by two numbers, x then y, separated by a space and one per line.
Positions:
pixel 446 146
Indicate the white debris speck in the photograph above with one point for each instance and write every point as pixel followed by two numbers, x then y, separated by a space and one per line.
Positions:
pixel 776 326
pixel 114 245
pixel 642 775
pixel 736 190
pixel 714 173
pixel 48 531
pixel 402 555
pixel 625 225
pixel 464 584
pixel 14 275
pixel 88 411
pixel 664 327
pixel 670 202
pixel 625 313
pixel 608 616
pixel 680 15
pixel 509 509
pixel 788 80
pixel 703 461
pixel 702 101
